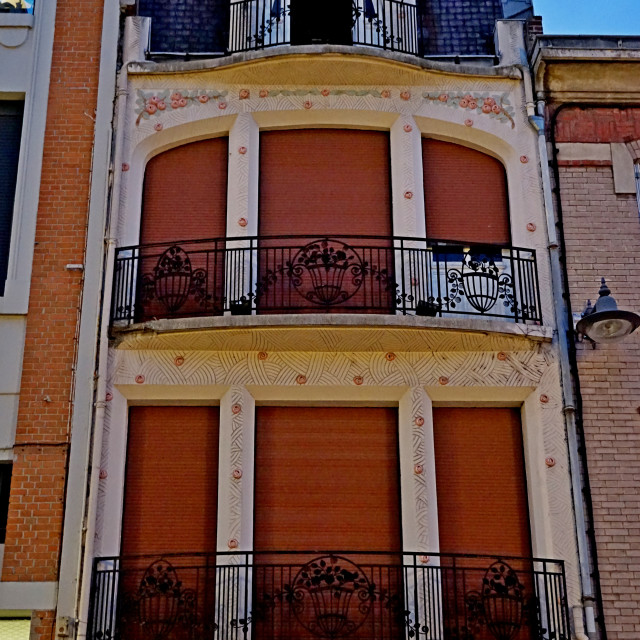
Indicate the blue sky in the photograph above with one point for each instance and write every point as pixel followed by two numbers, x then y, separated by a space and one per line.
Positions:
pixel 599 17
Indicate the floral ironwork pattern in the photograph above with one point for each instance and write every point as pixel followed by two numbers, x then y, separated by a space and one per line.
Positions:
pixel 480 281
pixel 500 604
pixel 323 265
pixel 161 605
pixel 174 280
pixel 277 15
pixel 328 272
pixel 331 597
pixel 338 593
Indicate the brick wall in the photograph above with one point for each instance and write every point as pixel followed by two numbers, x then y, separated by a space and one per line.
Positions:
pixel 598 125
pixel 603 239
pixel 36 503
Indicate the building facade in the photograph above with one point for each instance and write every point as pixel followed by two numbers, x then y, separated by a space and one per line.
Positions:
pixel 50 61
pixel 297 288
pixel 591 90
pixel 330 400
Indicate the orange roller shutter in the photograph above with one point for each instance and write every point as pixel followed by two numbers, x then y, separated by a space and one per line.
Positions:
pixel 465 194
pixel 171 491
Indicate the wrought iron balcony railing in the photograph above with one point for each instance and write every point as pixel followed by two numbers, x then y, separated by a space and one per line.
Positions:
pixel 346 274
pixel 304 595
pixel 386 24
pixel 247 25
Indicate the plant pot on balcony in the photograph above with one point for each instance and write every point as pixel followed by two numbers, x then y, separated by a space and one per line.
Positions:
pixel 427 308
pixel 240 308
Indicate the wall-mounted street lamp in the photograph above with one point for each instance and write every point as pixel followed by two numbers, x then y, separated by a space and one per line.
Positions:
pixel 605 322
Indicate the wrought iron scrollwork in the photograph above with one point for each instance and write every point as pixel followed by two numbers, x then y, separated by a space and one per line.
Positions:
pixel 161 605
pixel 338 593
pixel 173 281
pixel 501 606
pixel 480 281
pixel 278 13
pixel 319 269
pixel 331 597
pixel 327 273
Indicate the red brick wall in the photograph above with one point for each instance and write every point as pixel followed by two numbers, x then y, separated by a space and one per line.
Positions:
pixel 185 193
pixel 171 491
pixel 35 517
pixel 481 485
pixel 598 125
pixel 602 231
pixel 465 194
pixel 325 182
pixel 36 504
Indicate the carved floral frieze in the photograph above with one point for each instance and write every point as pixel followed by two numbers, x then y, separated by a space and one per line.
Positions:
pixel 492 106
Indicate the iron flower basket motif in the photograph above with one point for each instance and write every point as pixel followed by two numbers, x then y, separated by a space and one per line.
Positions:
pixel 319 269
pixel 174 280
pixel 480 281
pixel 500 605
pixel 161 604
pixel 338 594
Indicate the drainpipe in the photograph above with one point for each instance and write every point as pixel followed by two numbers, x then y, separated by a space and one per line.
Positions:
pixel 565 333
pixel 103 349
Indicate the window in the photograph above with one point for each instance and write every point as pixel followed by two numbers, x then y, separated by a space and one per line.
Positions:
pixel 5 485
pixel 15 628
pixel 10 131
pixel 16 6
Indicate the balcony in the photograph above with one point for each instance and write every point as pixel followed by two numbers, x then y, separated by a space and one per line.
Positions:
pixel 223 28
pixel 385 24
pixel 304 595
pixel 339 274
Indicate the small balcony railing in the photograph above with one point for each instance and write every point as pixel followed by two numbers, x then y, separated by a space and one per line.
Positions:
pixel 386 24
pixel 341 274
pixel 305 595
pixel 248 25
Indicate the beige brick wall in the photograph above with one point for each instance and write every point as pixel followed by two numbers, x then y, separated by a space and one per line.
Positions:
pixel 603 239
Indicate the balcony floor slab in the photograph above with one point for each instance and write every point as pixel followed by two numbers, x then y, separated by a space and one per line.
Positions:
pixel 331 332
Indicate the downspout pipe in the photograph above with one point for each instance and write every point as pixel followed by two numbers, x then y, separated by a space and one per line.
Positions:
pixel 103 350
pixel 565 333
